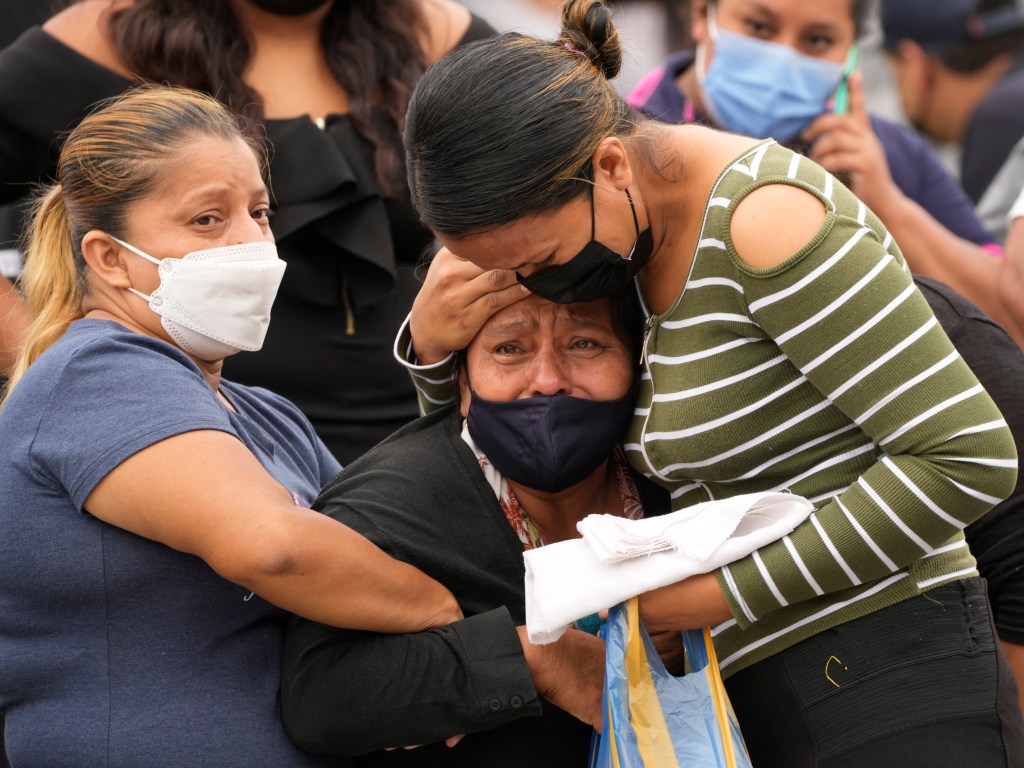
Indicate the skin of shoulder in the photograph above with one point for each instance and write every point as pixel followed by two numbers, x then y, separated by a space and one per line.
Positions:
pixel 82 27
pixel 756 232
pixel 446 23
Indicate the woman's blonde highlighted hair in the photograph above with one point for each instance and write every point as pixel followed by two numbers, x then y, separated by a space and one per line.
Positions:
pixel 112 159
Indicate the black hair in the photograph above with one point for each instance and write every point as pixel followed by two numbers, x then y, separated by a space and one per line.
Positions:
pixel 507 126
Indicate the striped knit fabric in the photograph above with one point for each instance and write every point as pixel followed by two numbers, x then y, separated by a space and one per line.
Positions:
pixel 827 376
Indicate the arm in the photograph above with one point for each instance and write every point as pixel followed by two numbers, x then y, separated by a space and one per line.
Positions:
pixel 474 675
pixel 335 700
pixel 236 517
pixel 846 144
pixel 1010 287
pixel 439 515
pixel 844 311
pixel 455 301
pixel 161 459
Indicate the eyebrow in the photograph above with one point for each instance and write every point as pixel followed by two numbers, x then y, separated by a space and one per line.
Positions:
pixel 504 327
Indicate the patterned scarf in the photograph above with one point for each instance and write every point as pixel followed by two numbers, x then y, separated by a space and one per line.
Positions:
pixel 525 528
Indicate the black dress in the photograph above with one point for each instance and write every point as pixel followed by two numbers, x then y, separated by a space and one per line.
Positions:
pixel 351 252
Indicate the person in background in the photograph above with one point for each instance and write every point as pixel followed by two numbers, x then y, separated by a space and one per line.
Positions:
pixel 786 347
pixel 327 81
pixel 154 521
pixel 959 68
pixel 544 394
pixel 787 69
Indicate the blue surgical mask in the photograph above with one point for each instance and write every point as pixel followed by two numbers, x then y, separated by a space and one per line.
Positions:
pixel 763 89
pixel 548 443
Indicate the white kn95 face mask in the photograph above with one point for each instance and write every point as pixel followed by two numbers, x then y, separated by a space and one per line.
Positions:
pixel 216 302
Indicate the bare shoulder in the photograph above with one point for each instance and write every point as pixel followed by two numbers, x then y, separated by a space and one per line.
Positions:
pixel 82 27
pixel 446 23
pixel 773 222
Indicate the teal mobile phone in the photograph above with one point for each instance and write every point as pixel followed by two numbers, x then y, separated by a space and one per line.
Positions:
pixel 841 100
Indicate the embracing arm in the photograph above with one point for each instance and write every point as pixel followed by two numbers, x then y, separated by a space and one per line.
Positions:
pixel 203 493
pixel 456 299
pixel 870 344
pixel 1011 280
pixel 346 693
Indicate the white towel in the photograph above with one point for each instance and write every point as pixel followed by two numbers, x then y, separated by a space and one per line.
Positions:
pixel 618 558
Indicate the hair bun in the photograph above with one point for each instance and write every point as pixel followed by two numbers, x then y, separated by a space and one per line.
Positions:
pixel 587 28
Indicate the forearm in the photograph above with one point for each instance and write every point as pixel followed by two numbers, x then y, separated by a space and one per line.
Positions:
pixel 13 323
pixel 319 568
pixel 926 451
pixel 933 251
pixel 1011 282
pixel 690 604
pixel 348 693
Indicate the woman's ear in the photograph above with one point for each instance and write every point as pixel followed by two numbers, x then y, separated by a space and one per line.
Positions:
pixel 105 259
pixel 611 164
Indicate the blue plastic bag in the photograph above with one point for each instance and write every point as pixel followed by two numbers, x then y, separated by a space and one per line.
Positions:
pixel 653 719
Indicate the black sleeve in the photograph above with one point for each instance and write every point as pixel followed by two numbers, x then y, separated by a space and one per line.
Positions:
pixel 345 692
pixel 997 538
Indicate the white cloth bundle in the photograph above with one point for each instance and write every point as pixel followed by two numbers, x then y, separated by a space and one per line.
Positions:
pixel 618 558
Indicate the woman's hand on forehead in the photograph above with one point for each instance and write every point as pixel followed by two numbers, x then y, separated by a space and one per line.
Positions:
pixel 456 299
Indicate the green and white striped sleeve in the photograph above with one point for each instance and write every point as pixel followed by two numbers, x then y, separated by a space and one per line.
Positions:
pixel 846 313
pixel 434 383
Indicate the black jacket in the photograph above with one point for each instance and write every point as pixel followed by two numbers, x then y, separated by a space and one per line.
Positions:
pixel 422 498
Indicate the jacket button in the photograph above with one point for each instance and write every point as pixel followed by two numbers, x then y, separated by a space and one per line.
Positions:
pixel 495 705
pixel 516 702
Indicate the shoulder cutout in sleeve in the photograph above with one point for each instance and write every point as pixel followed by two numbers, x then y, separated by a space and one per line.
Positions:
pixel 773 222
pixel 447 22
pixel 82 27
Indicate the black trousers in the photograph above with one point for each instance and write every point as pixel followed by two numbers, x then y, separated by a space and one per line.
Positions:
pixel 920 684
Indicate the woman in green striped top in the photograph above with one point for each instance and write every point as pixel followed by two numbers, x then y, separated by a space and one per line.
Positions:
pixel 786 348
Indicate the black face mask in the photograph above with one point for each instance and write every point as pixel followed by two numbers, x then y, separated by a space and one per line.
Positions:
pixel 289 7
pixel 596 271
pixel 548 443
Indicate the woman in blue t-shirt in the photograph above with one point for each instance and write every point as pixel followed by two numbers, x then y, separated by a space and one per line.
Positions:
pixel 154 527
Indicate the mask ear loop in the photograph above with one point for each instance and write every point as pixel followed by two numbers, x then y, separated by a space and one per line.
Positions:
pixel 632 209
pixel 593 222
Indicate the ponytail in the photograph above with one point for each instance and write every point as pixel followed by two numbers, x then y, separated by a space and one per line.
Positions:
pixel 112 159
pixel 52 280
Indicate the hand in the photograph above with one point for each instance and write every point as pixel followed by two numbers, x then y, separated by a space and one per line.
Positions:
pixel 569 673
pixel 846 144
pixel 689 604
pixel 451 741
pixel 669 644
pixel 456 299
